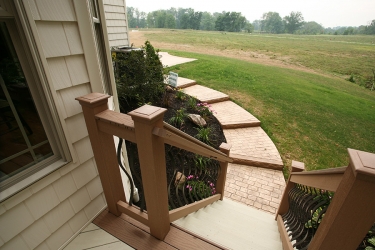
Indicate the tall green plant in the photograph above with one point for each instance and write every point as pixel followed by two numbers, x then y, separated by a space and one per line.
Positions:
pixel 139 77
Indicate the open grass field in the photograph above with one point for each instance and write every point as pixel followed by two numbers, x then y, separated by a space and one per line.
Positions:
pixel 328 54
pixel 311 115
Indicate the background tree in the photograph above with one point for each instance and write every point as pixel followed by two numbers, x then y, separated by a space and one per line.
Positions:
pixel 311 28
pixel 293 22
pixel 249 28
pixel 272 22
pixel 370 29
pixel 170 21
pixel 257 24
pixel 207 21
pixel 230 21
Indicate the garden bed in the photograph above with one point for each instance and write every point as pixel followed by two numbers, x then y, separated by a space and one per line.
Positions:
pixel 199 173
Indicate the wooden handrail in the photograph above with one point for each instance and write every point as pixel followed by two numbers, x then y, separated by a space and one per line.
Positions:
pixel 177 138
pixel 326 179
pixel 351 211
pixel 145 127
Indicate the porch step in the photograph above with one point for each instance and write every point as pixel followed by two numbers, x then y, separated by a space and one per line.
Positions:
pixel 230 115
pixel 205 94
pixel 252 146
pixel 234 225
pixel 185 82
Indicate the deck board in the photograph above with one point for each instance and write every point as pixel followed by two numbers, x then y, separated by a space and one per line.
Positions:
pixel 138 235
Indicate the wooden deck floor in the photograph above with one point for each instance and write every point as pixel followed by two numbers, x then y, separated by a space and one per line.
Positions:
pixel 137 235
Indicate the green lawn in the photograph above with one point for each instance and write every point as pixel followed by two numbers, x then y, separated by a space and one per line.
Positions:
pixel 338 55
pixel 311 118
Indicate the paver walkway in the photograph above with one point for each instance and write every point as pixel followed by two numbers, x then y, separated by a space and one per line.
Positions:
pixel 256 187
pixel 255 178
pixel 252 146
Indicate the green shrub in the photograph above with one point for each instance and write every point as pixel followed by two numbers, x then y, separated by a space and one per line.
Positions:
pixel 139 77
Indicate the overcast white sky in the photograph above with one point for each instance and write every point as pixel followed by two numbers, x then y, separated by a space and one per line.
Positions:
pixel 329 13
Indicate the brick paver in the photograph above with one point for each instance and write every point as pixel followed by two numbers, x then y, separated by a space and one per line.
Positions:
pixel 230 115
pixel 256 187
pixel 252 146
pixel 205 94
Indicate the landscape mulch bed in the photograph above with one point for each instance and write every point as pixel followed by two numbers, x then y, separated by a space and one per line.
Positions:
pixel 178 160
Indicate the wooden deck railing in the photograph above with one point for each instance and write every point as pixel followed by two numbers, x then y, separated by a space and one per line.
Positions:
pixel 145 127
pixel 350 213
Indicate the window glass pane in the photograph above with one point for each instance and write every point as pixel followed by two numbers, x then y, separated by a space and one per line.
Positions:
pixel 15 166
pixel 23 141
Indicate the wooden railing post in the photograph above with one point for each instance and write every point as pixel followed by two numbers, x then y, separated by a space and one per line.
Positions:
pixel 151 153
pixel 220 183
pixel 284 203
pixel 104 150
pixel 351 212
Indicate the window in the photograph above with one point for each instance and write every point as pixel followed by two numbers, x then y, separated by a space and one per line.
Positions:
pixel 30 146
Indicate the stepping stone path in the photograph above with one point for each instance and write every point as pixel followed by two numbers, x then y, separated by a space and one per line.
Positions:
pixel 230 115
pixel 205 94
pixel 184 82
pixel 255 178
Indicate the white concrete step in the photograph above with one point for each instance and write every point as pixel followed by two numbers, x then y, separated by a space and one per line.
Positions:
pixel 234 225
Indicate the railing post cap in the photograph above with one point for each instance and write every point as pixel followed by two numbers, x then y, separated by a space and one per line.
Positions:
pixel 225 148
pixel 298 166
pixel 93 99
pixel 147 114
pixel 362 162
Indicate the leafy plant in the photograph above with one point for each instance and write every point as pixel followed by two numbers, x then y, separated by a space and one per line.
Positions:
pixel 139 77
pixel 179 118
pixel 200 188
pixel 192 103
pixel 372 242
pixel 368 242
pixel 351 78
pixel 204 109
pixel 180 95
pixel 316 219
pixel 201 162
pixel 204 134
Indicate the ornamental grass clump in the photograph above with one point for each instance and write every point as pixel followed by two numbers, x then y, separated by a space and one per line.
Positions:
pixel 199 188
pixel 204 135
pixel 179 118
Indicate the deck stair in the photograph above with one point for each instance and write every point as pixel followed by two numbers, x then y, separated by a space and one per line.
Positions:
pixel 234 225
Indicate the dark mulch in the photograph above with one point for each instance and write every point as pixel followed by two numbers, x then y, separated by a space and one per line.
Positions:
pixel 178 160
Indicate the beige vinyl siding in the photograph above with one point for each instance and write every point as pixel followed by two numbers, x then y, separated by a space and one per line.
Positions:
pixel 52 210
pixel 117 24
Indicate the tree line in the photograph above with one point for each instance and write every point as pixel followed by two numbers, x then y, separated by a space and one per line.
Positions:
pixel 270 22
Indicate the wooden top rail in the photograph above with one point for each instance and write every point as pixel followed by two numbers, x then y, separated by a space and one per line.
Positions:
pixel 122 125
pixel 117 124
pixel 177 138
pixel 327 179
